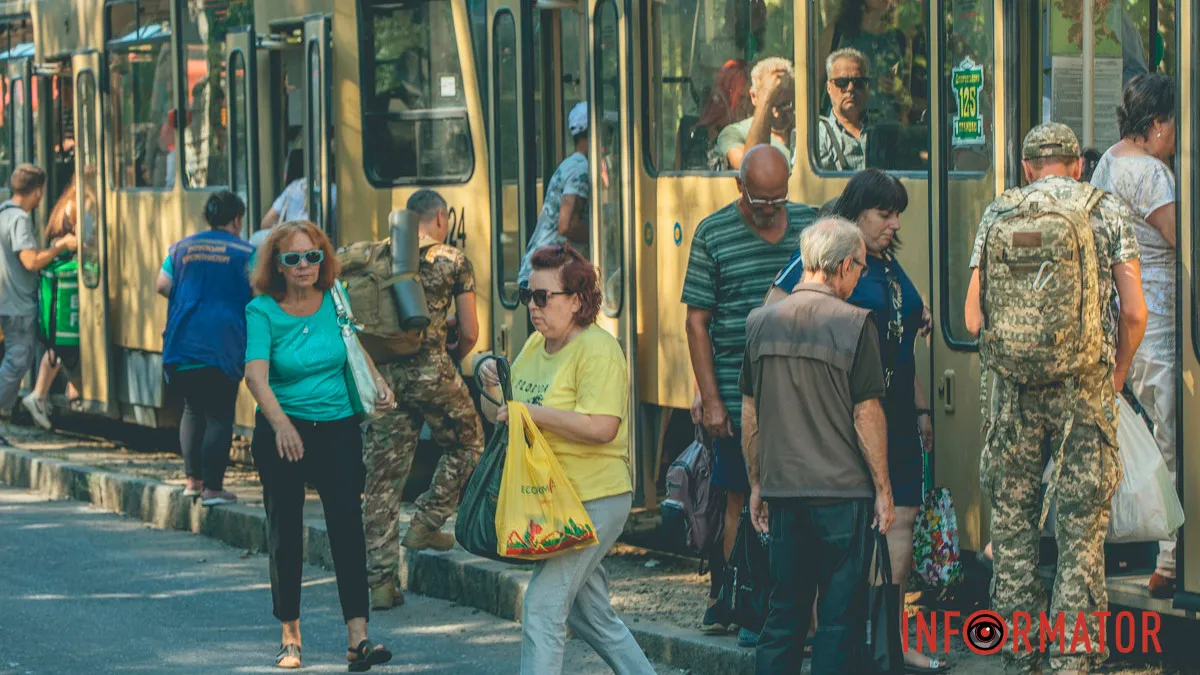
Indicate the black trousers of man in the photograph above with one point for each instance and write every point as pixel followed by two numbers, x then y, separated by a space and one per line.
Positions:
pixel 816 545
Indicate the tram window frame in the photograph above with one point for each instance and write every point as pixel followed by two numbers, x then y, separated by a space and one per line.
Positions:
pixel 116 48
pixel 652 108
pixel 10 24
pixel 372 154
pixel 89 154
pixel 1194 189
pixel 817 82
pixel 182 46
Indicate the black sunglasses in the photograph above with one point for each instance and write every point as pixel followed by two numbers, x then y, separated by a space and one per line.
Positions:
pixel 540 297
pixel 292 259
pixel 844 82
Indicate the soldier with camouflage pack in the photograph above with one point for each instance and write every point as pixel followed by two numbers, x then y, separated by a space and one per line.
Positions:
pixel 1044 299
pixel 428 389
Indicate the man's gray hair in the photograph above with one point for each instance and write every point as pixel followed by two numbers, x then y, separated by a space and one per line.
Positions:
pixel 825 244
pixel 769 65
pixel 848 53
pixel 426 203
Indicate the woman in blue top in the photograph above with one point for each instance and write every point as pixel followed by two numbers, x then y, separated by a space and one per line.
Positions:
pixel 874 200
pixel 306 431
pixel 204 278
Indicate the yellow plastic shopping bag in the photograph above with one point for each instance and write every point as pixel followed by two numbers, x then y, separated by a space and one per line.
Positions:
pixel 538 514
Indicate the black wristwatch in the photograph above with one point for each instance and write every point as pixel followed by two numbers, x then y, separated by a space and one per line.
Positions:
pixel 924 412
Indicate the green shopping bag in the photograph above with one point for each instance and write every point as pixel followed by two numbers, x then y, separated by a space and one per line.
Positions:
pixel 58 303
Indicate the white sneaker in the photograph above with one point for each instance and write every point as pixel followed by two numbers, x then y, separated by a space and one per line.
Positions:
pixel 37 409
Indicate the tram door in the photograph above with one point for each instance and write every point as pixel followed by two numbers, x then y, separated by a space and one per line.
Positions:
pixel 20 83
pixel 513 153
pixel 92 229
pixel 242 85
pixel 614 245
pixel 318 123
pixel 1187 594
pixel 967 169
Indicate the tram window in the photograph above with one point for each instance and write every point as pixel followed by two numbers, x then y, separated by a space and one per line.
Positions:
pixel 205 136
pixel 700 75
pixel 969 79
pixel 609 197
pixel 871 76
pixel 143 114
pixel 89 236
pixel 6 157
pixel 508 219
pixel 414 106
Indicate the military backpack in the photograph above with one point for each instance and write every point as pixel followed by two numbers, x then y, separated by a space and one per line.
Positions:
pixel 367 276
pixel 1040 287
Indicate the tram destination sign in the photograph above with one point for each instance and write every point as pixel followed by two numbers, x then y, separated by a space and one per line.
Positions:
pixel 967 80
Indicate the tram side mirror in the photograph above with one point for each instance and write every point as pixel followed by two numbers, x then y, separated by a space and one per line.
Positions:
pixel 407 292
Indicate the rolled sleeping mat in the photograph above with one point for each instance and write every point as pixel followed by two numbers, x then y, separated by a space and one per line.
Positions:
pixel 407 292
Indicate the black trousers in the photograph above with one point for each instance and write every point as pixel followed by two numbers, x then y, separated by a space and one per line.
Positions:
pixel 332 463
pixel 816 547
pixel 206 429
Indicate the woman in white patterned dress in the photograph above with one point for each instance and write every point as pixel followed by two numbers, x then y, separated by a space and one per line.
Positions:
pixel 1137 168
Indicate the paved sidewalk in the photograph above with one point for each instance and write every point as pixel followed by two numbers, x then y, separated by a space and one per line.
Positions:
pixel 658 595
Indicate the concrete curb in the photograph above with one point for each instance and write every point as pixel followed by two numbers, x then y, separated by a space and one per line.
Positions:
pixel 458 576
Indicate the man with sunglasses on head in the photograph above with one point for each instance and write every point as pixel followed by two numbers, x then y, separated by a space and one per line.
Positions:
pixel 773 92
pixel 429 390
pixel 842 136
pixel 733 253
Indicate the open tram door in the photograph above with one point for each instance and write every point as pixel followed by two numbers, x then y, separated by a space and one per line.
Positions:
pixel 98 392
pixel 318 123
pixel 18 65
pixel 976 98
pixel 614 244
pixel 512 149
pixel 242 126
pixel 1187 552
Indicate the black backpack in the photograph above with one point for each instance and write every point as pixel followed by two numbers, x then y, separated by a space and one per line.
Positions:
pixel 747 587
pixel 693 512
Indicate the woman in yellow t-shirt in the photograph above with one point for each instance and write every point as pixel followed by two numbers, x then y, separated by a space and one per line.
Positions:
pixel 571 375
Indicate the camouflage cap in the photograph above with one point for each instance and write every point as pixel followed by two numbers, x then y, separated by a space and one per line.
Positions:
pixel 1050 140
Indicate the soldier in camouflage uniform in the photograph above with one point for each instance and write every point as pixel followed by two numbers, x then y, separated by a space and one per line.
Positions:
pixel 428 390
pixel 1073 422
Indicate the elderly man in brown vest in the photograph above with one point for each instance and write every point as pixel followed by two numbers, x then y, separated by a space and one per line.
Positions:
pixel 815 439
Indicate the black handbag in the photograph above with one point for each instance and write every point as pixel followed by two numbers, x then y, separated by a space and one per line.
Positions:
pixel 747 588
pixel 475 525
pixel 884 653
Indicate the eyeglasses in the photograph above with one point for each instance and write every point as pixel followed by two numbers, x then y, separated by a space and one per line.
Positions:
pixel 863 269
pixel 540 297
pixel 844 83
pixel 756 202
pixel 292 259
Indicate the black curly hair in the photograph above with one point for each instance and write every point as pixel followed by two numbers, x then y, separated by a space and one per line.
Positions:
pixel 1148 98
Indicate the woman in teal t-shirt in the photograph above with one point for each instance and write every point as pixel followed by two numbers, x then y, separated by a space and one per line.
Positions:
pixel 306 431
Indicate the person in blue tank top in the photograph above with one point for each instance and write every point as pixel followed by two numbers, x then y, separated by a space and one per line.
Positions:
pixel 874 200
pixel 205 280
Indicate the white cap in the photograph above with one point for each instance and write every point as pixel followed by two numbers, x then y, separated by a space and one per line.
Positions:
pixel 577 121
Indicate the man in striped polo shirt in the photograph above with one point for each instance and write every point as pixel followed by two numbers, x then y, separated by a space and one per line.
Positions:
pixel 734 256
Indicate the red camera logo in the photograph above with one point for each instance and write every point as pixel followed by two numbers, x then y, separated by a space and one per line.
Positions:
pixel 984 632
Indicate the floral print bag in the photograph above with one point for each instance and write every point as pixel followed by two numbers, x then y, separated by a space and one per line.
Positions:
pixel 936 562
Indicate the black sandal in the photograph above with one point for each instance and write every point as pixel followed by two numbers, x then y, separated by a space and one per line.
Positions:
pixel 290 650
pixel 367 654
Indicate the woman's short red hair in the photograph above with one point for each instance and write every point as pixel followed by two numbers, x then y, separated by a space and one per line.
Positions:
pixel 577 274
pixel 268 280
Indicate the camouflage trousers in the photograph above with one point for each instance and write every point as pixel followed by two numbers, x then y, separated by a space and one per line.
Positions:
pixel 428 390
pixel 1025 428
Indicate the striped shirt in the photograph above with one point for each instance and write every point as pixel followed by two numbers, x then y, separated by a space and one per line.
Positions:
pixel 730 270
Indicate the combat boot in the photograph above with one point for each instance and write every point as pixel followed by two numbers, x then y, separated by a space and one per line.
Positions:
pixel 421 536
pixel 386 596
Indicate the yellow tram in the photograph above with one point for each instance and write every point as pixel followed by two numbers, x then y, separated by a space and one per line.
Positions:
pixel 151 104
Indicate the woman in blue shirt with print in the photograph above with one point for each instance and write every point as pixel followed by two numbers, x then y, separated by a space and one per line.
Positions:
pixel 874 200
pixel 306 431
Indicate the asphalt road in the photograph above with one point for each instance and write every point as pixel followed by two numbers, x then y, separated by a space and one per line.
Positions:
pixel 86 591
